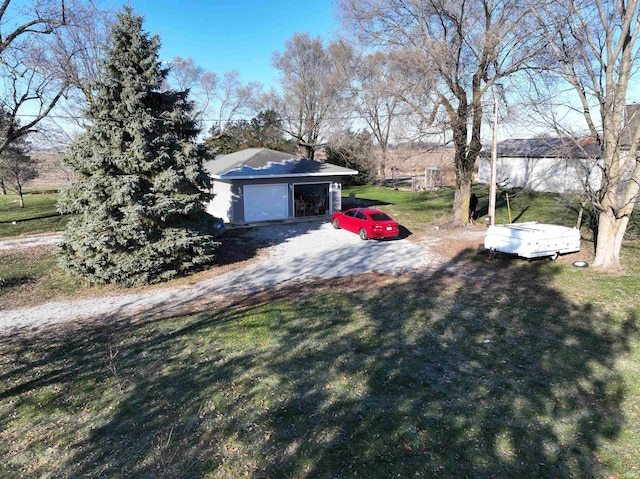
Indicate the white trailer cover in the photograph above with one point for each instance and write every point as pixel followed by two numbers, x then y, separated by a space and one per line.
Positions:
pixel 533 239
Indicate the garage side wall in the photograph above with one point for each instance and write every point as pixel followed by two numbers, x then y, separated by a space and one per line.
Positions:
pixel 222 204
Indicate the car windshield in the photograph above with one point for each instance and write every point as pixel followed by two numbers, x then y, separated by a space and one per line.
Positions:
pixel 380 217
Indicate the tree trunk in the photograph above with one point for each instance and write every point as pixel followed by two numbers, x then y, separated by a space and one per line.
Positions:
pixel 463 179
pixel 461 201
pixel 21 196
pixel 307 150
pixel 467 150
pixel 381 167
pixel 617 207
pixel 609 240
pixel 579 222
pixel 3 188
pixel 381 176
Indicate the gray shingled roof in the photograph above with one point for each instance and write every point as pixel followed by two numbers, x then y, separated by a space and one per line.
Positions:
pixel 266 163
pixel 546 148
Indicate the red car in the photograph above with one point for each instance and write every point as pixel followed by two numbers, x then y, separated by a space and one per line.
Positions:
pixel 367 222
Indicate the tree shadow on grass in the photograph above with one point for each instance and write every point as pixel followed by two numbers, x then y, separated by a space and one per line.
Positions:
pixel 348 202
pixel 484 375
pixel 14 282
pixel 477 370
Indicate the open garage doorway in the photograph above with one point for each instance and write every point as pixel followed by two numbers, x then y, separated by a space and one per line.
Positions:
pixel 311 199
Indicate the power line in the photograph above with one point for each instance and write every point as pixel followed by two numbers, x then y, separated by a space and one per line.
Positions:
pixel 220 121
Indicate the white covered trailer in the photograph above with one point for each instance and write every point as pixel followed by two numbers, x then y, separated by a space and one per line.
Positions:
pixel 532 240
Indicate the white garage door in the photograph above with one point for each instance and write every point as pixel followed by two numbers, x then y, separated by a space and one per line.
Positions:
pixel 265 202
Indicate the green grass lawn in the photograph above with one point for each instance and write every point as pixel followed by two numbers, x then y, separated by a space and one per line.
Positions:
pixel 38 216
pixel 480 369
pixel 496 373
pixel 415 209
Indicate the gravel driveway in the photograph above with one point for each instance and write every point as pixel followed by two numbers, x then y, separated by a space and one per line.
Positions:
pixel 299 252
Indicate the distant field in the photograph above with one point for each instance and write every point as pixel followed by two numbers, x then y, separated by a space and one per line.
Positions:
pixel 52 173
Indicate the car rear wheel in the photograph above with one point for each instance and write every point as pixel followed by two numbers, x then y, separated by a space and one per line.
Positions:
pixel 335 223
pixel 363 234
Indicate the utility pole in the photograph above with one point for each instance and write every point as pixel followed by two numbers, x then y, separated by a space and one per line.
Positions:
pixel 494 160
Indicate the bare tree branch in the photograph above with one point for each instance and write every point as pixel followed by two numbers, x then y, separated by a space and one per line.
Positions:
pixel 595 45
pixel 455 52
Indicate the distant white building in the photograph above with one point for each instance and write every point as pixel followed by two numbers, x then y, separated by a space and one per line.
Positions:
pixel 554 165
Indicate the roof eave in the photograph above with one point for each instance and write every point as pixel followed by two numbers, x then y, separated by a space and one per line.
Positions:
pixel 292 175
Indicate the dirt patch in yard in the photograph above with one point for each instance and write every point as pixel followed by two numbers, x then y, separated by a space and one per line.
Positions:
pixel 451 240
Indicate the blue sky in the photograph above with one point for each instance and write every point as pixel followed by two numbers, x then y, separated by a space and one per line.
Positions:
pixel 225 35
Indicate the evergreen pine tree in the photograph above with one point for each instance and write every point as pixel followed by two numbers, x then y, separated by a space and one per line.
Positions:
pixel 140 187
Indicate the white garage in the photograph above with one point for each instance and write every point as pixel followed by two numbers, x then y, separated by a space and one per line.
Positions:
pixel 266 202
pixel 260 185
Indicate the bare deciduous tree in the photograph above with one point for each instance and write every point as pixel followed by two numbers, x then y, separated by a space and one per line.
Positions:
pixel 185 74
pixel 17 167
pixel 376 101
pixel 78 50
pixel 235 98
pixel 218 100
pixel 454 53
pixel 26 67
pixel 596 51
pixel 43 66
pixel 316 81
pixel 42 17
pixel 353 150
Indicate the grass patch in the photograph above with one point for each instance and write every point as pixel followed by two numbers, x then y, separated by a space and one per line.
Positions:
pixel 496 373
pixel 33 276
pixel 415 210
pixel 532 206
pixel 38 216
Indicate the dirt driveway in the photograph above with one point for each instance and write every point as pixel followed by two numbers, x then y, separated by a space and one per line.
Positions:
pixel 296 252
